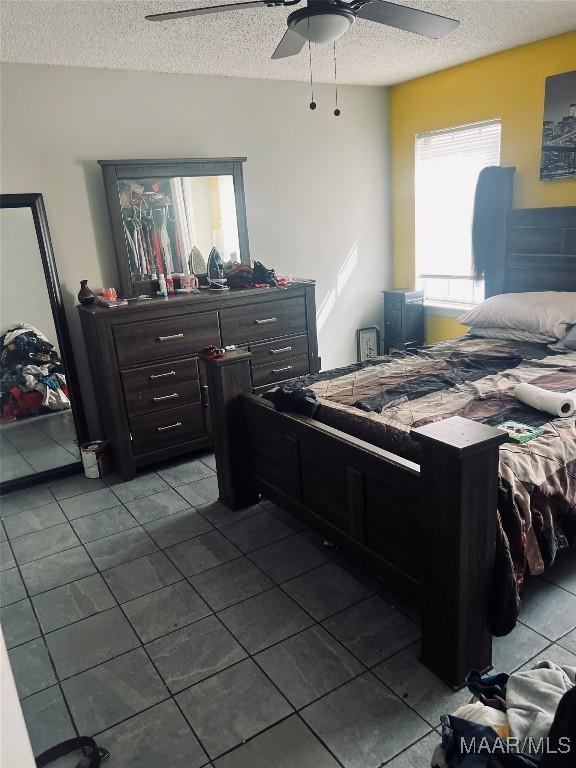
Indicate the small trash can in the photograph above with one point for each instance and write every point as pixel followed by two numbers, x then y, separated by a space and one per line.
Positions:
pixel 96 458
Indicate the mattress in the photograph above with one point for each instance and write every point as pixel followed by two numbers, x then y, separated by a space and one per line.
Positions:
pixel 382 400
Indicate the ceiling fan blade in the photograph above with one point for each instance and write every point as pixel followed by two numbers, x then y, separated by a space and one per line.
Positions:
pixel 409 19
pixel 202 11
pixel 291 44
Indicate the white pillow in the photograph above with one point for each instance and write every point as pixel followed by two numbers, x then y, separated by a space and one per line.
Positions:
pixel 512 334
pixel 546 312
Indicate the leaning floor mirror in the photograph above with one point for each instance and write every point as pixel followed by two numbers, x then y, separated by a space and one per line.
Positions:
pixel 41 415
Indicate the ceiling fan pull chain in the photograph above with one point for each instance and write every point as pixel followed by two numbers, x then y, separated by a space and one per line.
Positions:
pixel 337 110
pixel 312 103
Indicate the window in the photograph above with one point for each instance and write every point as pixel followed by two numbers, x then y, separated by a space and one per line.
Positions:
pixel 447 166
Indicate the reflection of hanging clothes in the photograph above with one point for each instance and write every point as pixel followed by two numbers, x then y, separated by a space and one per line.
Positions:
pixel 165 244
pixel 182 222
pixel 173 238
pixel 141 249
pixel 157 250
pixel 132 253
pixel 148 230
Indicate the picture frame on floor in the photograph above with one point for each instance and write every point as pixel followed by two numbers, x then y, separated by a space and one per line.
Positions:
pixel 367 343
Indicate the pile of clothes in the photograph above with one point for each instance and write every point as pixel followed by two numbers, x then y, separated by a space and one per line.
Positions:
pixel 258 276
pixel 32 378
pixel 523 720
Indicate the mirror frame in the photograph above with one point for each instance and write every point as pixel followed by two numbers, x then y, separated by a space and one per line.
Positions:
pixel 35 202
pixel 119 170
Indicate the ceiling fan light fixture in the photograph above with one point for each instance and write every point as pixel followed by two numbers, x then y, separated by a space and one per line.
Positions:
pixel 321 28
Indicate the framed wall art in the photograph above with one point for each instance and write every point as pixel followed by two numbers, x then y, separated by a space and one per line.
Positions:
pixel 558 158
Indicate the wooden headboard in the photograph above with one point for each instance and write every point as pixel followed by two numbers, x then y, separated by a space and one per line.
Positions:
pixel 538 252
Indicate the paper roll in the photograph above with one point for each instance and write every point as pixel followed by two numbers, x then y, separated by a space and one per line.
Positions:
pixel 562 404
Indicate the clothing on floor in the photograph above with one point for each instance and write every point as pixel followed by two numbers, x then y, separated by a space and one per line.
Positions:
pixel 489 689
pixel 533 696
pixel 470 745
pixel 483 715
pixel 524 719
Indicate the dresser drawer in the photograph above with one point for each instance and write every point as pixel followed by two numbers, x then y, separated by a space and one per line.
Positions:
pixel 280 349
pixel 151 400
pixel 263 321
pixel 157 430
pixel 167 337
pixel 270 373
pixel 151 377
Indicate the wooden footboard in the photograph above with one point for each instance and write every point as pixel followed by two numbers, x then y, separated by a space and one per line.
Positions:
pixel 433 524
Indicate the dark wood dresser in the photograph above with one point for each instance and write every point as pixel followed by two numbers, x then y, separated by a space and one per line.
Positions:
pixel 151 392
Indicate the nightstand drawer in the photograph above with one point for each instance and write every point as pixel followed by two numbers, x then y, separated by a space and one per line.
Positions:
pixel 266 320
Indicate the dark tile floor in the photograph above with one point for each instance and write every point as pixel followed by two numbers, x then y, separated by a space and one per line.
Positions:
pixel 184 635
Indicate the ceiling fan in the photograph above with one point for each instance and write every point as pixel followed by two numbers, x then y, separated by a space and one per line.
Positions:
pixel 324 21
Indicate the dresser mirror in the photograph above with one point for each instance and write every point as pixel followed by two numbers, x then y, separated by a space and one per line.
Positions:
pixel 172 218
pixel 42 420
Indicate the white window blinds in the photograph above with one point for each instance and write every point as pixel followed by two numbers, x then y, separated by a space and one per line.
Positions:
pixel 447 166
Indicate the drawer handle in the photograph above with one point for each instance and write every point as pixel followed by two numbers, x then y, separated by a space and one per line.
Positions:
pixel 279 370
pixel 170 338
pixel 173 396
pixel 170 426
pixel 282 349
pixel 204 396
pixel 266 320
pixel 161 375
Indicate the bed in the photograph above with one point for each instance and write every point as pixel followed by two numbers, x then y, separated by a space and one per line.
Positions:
pixel 402 465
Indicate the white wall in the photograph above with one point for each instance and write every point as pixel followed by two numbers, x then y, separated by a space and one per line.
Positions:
pixel 15 748
pixel 317 190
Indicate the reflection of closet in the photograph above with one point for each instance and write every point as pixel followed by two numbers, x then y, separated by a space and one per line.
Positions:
pixel 152 240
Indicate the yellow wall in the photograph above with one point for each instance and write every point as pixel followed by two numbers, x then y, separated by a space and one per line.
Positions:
pixel 507 85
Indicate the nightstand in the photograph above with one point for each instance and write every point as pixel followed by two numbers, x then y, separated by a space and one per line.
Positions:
pixel 403 319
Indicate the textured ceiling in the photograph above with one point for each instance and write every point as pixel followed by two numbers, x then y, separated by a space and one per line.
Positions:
pixel 114 34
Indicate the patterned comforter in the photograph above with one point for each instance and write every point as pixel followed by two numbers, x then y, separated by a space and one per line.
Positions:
pixel 474 377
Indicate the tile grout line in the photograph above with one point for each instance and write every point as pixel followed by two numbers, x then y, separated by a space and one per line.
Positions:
pixel 547 579
pixel 403 751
